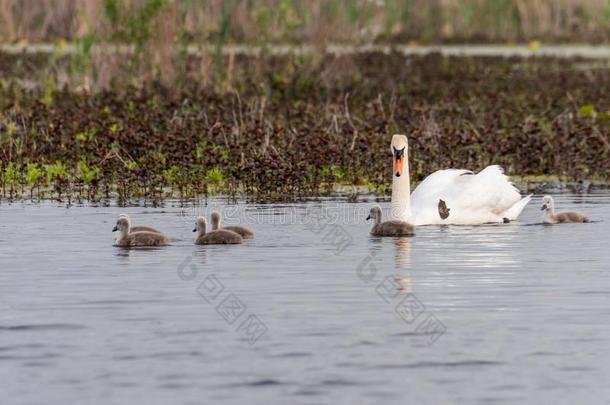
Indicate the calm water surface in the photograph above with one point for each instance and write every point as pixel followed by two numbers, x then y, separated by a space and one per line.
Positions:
pixel 313 310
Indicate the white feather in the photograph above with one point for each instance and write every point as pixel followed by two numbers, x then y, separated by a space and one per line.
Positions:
pixel 485 197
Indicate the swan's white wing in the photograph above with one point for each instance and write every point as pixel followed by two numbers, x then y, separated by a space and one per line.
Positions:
pixel 439 180
pixel 425 197
pixel 513 212
pixel 472 199
pixel 489 189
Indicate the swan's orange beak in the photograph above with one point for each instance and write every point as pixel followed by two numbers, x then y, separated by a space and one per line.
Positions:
pixel 397 166
pixel 399 158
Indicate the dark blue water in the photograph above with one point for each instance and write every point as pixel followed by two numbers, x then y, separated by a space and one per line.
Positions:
pixel 313 310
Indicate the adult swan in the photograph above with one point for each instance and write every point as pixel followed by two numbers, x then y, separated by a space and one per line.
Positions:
pixel 452 196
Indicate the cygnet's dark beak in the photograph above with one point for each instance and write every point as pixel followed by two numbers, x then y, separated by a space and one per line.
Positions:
pixel 543 207
pixel 369 217
pixel 115 229
pixel 195 230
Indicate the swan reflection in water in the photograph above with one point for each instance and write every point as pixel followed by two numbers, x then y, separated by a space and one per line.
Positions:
pixel 402 263
pixel 372 267
pixel 402 253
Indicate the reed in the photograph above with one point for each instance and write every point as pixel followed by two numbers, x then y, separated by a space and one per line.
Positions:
pixel 314 21
pixel 159 31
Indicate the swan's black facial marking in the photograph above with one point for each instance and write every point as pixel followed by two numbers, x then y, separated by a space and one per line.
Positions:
pixel 443 211
pixel 399 155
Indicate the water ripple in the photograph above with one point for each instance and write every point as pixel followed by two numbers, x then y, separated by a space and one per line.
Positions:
pixel 41 327
pixel 434 364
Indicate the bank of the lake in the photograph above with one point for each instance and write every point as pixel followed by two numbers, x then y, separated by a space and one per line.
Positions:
pixel 289 127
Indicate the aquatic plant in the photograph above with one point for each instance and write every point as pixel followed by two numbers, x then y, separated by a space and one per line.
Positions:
pixel 12 179
pixel 286 141
pixel 89 174
pixel 34 173
pixel 214 179
pixel 58 176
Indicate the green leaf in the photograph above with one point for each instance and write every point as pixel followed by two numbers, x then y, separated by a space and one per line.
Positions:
pixel 33 173
pixel 587 110
pixel 214 176
pixel 88 173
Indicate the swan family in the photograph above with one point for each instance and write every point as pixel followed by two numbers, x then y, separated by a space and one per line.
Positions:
pixel 445 197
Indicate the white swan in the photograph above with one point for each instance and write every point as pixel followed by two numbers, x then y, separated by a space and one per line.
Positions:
pixel 467 198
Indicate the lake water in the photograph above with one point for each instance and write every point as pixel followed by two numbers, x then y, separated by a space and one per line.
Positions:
pixel 313 310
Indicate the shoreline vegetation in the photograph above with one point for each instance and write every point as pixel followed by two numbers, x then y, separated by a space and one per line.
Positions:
pixel 78 193
pixel 287 128
pixel 181 112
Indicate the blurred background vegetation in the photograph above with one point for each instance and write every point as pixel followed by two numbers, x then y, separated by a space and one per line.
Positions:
pixel 312 21
pixel 161 36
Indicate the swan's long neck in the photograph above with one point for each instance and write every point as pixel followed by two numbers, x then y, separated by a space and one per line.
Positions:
pixel 123 233
pixel 126 229
pixel 378 218
pixel 401 193
pixel 215 223
pixel 549 213
pixel 201 228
